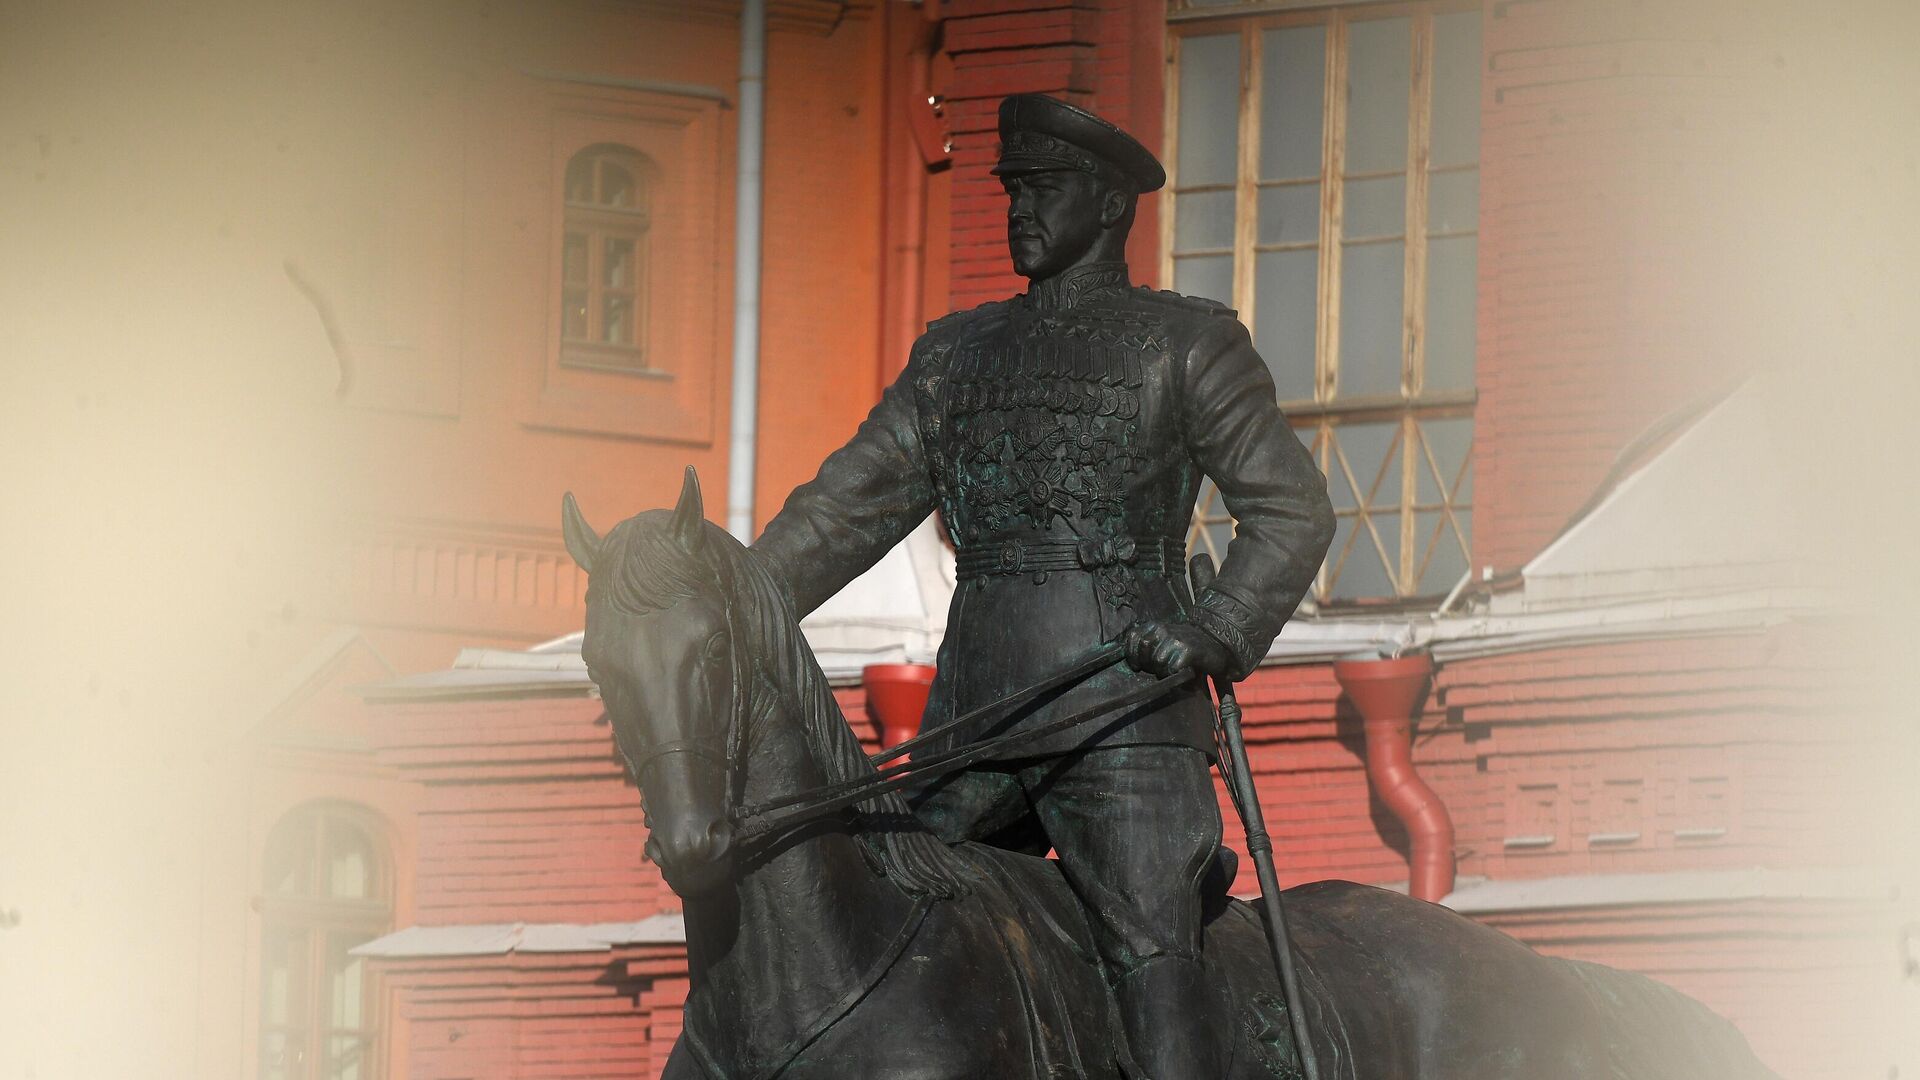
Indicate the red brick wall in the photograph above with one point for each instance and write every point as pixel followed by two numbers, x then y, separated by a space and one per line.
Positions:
pixel 526 814
pixel 1605 135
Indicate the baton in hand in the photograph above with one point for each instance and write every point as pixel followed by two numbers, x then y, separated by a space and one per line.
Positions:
pixel 1247 800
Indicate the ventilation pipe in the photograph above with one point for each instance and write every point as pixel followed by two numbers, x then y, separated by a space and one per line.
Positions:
pixel 742 451
pixel 1386 692
pixel 896 699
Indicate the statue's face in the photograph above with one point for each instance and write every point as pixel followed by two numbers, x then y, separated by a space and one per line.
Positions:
pixel 1053 218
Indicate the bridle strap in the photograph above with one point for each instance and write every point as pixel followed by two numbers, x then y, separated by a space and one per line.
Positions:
pixel 692 747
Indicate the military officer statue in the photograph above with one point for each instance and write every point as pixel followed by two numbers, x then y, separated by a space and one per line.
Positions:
pixel 1062 435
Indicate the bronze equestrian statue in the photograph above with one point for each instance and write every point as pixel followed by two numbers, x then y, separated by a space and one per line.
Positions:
pixel 859 945
pixel 1062 435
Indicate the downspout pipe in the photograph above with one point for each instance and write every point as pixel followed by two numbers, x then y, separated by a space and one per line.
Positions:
pixel 1386 691
pixel 743 443
pixel 897 699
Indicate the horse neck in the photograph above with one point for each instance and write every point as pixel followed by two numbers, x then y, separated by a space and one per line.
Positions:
pixel 806 922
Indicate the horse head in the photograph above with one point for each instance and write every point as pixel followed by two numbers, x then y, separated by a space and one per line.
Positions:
pixel 660 644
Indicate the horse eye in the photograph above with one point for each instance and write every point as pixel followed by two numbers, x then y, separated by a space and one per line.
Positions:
pixel 716 649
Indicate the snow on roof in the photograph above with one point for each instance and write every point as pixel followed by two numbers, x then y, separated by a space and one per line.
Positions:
pixel 499 939
pixel 1736 501
pixel 1673 887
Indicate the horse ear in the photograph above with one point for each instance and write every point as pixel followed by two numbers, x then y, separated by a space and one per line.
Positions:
pixel 582 542
pixel 690 516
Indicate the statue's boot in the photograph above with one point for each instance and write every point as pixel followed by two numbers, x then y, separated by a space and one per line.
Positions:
pixel 1172 1023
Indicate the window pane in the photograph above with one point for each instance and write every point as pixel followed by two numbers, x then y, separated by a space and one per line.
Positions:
pixel 1372 283
pixel 1449 441
pixel 1292 75
pixel 1209 109
pixel 1453 201
pixel 1375 207
pixel 1434 541
pixel 580 178
pixel 616 185
pixel 346 981
pixel 1289 214
pixel 617 268
pixel 1452 266
pixel 573 259
pixel 1286 285
pixel 1380 53
pixel 1364 573
pixel 280 1055
pixel 1210 276
pixel 346 1058
pixel 1456 88
pixel 617 326
pixel 283 977
pixel 1203 220
pixel 573 315
pixel 1372 452
pixel 289 858
pixel 350 865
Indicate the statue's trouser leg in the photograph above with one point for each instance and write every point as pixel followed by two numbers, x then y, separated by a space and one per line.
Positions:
pixel 980 804
pixel 1135 828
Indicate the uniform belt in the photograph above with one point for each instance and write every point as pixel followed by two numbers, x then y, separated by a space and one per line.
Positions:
pixel 1148 553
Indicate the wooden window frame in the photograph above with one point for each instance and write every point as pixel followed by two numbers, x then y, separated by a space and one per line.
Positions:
pixel 599 222
pixel 668 395
pixel 1324 413
pixel 316 919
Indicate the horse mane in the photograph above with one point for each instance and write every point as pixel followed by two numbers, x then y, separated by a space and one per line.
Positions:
pixel 645 568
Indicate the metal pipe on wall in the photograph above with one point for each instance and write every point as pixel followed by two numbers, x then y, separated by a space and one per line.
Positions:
pixel 1385 693
pixel 743 440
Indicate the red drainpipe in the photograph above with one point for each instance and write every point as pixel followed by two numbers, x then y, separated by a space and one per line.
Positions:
pixel 896 698
pixel 1385 692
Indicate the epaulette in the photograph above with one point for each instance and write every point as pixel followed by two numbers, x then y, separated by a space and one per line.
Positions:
pixel 1199 305
pixel 958 319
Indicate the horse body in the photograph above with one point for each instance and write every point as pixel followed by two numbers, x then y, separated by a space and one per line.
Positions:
pixel 858 946
pixel 813 965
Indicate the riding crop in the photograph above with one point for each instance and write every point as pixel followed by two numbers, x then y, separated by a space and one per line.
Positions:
pixel 1239 777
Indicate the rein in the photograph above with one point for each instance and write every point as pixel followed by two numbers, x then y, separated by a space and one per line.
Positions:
pixel 757 823
pixel 1099 660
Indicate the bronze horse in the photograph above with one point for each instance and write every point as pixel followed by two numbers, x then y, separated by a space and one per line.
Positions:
pixel 860 946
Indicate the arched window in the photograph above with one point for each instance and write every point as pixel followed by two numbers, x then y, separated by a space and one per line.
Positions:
pixel 603 259
pixel 327 887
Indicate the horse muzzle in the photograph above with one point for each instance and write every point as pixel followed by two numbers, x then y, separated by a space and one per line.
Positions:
pixel 694 857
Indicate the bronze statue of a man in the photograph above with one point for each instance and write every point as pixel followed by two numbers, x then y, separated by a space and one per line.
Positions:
pixel 1062 435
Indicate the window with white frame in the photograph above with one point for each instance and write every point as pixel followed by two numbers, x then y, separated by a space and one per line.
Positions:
pixel 1324 180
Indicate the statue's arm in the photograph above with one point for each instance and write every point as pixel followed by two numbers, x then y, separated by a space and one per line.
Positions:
pixel 867 496
pixel 1269 483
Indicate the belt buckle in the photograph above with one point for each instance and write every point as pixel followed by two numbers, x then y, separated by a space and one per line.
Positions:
pixel 1010 557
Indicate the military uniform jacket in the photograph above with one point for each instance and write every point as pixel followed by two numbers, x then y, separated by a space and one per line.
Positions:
pixel 1062 435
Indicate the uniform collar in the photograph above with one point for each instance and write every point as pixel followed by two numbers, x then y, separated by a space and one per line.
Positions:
pixel 1066 289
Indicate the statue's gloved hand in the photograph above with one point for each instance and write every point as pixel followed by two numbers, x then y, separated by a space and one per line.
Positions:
pixel 1164 646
